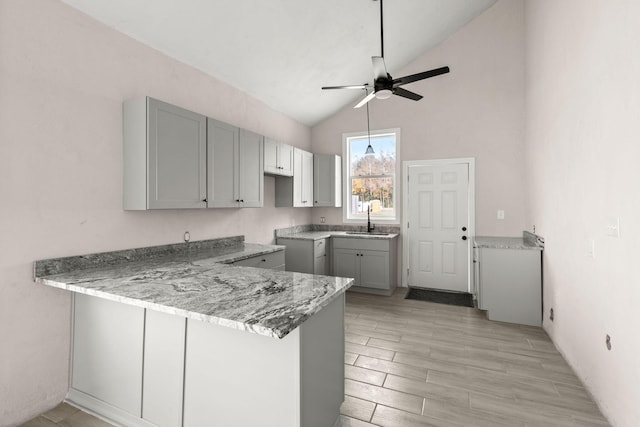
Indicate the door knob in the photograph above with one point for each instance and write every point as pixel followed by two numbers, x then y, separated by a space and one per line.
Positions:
pixel 464 237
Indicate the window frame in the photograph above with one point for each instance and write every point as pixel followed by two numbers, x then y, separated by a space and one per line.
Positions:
pixel 347 217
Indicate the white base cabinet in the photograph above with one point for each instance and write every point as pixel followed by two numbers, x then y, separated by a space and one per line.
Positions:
pixel 371 262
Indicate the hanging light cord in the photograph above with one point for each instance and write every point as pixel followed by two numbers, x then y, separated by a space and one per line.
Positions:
pixel 368 127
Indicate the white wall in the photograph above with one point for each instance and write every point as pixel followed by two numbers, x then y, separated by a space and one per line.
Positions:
pixel 583 146
pixel 63 78
pixel 477 110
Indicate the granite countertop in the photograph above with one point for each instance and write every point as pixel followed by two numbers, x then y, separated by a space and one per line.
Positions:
pixel 506 243
pixel 192 280
pixel 316 235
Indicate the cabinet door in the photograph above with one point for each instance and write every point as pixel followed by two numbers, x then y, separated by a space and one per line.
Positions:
pixel 176 169
pixel 307 179
pixel 163 379
pixel 222 164
pixel 320 264
pixel 271 156
pixel 250 170
pixel 346 263
pixel 327 180
pixel 107 351
pixel 320 257
pixel 285 159
pixel 374 269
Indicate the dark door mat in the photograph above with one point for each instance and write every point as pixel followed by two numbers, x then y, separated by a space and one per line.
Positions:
pixel 462 299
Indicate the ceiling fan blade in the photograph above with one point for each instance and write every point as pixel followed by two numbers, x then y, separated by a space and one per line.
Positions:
pixel 366 99
pixel 379 69
pixel 406 94
pixel 419 76
pixel 364 86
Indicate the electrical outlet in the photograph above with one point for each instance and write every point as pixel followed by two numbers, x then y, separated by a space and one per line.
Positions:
pixel 500 214
pixel 551 314
pixel 607 341
pixel 613 226
pixel 187 236
pixel 323 220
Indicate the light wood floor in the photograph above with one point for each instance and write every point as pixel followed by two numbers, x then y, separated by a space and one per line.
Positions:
pixel 413 363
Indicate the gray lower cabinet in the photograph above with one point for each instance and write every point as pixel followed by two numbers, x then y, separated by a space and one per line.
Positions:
pixel 235 167
pixel 107 354
pixel 510 285
pixel 371 262
pixel 129 363
pixel 164 156
pixel 306 256
pixel 163 380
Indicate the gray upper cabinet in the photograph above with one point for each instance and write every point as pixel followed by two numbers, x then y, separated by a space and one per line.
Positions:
pixel 235 167
pixel 164 149
pixel 327 180
pixel 297 191
pixel 278 158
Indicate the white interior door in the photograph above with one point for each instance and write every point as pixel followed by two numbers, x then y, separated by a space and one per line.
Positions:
pixel 438 226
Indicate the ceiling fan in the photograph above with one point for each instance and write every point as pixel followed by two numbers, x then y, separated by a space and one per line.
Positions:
pixel 383 84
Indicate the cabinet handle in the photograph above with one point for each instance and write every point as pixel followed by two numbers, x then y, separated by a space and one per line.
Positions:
pixel 464 237
pixel 263 260
pixel 242 200
pixel 204 200
pixel 464 228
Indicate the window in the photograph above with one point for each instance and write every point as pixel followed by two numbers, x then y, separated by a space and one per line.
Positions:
pixel 370 179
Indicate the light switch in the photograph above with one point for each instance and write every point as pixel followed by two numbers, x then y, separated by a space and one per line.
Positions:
pixel 500 214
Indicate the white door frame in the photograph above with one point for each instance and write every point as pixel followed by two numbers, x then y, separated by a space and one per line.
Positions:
pixel 471 162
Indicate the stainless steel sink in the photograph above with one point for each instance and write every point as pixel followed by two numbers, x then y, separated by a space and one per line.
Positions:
pixel 368 233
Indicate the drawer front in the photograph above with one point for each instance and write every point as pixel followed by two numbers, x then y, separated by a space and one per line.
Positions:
pixel 320 247
pixel 270 260
pixel 364 243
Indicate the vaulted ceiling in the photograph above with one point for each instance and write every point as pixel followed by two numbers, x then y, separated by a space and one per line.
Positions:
pixel 283 51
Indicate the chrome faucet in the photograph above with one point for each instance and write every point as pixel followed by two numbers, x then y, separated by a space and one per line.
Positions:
pixel 370 227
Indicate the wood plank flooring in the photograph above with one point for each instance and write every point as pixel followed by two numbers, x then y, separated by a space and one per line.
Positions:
pixel 415 363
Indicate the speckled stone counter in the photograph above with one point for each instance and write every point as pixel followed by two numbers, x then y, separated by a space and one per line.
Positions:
pixel 191 280
pixel 317 235
pixel 323 231
pixel 504 243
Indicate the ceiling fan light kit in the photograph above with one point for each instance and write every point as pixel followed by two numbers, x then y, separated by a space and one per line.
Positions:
pixel 384 93
pixel 383 84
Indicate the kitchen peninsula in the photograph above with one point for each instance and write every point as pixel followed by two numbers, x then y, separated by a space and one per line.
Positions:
pixel 173 336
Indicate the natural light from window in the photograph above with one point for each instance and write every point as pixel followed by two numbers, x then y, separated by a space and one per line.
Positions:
pixel 370 178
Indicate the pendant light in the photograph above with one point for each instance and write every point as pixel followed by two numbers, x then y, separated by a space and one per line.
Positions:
pixel 369 151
